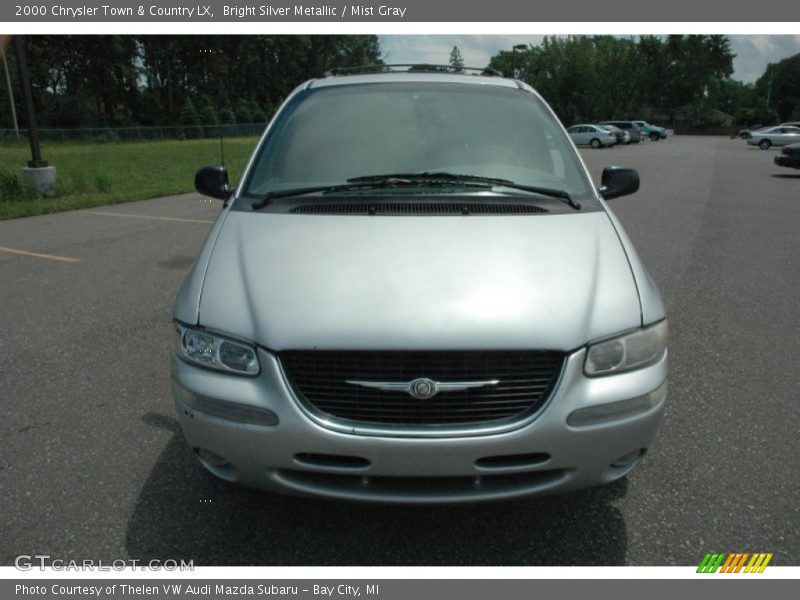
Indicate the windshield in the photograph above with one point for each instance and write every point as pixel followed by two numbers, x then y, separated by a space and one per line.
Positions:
pixel 328 135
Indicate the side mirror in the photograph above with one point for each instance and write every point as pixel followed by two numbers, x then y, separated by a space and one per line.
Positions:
pixel 619 181
pixel 212 181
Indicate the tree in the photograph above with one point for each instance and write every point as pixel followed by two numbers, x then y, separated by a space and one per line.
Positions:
pixel 227 116
pixel 190 119
pixel 779 88
pixel 86 81
pixel 189 115
pixel 243 112
pixel 456 60
pixel 208 112
pixel 591 78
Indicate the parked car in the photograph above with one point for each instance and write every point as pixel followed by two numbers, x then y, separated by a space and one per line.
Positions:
pixel 790 124
pixel 790 156
pixel 452 316
pixel 652 132
pixel 591 135
pixel 774 136
pixel 623 137
pixel 747 132
pixel 632 128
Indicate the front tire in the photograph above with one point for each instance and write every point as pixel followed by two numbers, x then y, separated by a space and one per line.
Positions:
pixel 764 144
pixel 595 143
pixel 654 137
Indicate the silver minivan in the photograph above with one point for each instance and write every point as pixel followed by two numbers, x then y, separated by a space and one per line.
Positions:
pixel 415 293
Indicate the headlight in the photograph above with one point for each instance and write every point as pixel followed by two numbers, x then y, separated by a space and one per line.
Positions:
pixel 214 351
pixel 627 352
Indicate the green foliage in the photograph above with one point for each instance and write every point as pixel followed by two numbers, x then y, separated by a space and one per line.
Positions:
pixel 10 186
pixel 189 115
pixel 208 112
pixel 780 86
pixel 257 112
pixel 591 78
pixel 102 183
pixel 112 80
pixel 243 112
pixel 227 116
pixel 121 172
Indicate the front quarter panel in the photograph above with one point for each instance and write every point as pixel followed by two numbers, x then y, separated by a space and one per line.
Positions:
pixel 187 302
pixel 652 304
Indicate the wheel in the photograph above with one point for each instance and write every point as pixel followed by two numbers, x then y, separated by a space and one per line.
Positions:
pixel 764 144
pixel 654 137
pixel 595 143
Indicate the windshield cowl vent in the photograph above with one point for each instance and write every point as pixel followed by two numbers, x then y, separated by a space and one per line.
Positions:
pixel 417 208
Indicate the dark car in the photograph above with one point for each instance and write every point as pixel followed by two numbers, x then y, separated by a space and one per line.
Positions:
pixel 632 128
pixel 619 135
pixel 790 157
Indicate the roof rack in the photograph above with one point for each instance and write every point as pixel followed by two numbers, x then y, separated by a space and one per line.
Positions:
pixel 411 68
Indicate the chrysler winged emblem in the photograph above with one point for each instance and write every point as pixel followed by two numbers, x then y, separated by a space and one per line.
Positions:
pixel 423 388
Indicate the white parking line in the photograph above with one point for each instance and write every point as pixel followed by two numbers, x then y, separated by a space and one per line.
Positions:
pixel 39 255
pixel 129 216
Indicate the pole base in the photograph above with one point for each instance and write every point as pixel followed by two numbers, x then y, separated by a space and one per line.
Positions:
pixel 42 179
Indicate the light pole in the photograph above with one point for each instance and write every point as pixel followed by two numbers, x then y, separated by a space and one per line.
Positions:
pixel 10 92
pixel 38 174
pixel 514 49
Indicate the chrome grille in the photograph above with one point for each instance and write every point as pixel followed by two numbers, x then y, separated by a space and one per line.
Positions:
pixel 526 379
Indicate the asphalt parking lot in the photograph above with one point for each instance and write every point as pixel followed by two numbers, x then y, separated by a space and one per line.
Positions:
pixel 93 464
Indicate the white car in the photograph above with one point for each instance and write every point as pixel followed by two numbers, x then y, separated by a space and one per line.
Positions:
pixel 591 135
pixel 774 136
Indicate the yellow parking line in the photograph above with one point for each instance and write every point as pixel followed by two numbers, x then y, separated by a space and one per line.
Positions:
pixel 129 216
pixel 39 255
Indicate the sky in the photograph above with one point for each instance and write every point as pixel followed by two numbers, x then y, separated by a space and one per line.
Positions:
pixel 753 52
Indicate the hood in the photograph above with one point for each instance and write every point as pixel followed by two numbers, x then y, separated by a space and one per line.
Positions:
pixel 358 282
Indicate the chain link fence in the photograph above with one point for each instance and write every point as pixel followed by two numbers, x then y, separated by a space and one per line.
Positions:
pixel 137 134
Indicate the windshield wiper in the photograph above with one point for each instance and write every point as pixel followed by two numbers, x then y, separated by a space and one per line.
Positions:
pixel 361 183
pixel 454 177
pixel 544 191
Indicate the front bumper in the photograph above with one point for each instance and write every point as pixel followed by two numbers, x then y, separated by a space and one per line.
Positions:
pixel 545 455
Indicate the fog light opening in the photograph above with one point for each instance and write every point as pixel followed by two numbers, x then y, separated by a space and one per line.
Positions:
pixel 212 458
pixel 628 459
